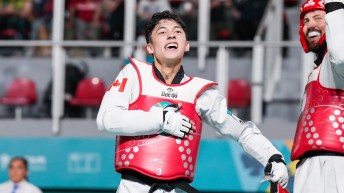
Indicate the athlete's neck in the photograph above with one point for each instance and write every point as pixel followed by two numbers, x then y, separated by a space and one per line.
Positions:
pixel 168 72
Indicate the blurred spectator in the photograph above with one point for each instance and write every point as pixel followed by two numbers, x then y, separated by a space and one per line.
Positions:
pixel 18 173
pixel 248 19
pixel 84 23
pixel 146 9
pixel 42 24
pixel 188 11
pixel 286 33
pixel 114 14
pixel 115 18
pixel 15 18
pixel 175 4
pixel 84 18
pixel 15 15
pixel 291 3
pixel 222 18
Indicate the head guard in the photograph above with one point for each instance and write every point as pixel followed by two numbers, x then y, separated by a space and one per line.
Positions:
pixel 308 6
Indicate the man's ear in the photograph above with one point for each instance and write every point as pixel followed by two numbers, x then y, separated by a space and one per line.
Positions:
pixel 150 48
pixel 187 46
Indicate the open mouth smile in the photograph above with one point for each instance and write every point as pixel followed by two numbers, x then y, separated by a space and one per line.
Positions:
pixel 171 46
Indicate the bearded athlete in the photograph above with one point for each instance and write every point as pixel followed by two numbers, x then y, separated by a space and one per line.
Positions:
pixel 319 138
pixel 156 111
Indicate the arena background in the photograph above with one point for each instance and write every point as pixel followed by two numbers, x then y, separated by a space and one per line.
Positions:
pixel 250 46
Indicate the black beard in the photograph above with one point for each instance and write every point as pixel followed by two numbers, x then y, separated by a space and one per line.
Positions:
pixel 314 47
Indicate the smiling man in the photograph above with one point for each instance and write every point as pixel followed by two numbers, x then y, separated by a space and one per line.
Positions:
pixel 156 111
pixel 314 29
pixel 319 139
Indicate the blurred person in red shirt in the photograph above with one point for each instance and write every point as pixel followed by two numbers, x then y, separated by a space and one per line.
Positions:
pixel 84 17
pixel 84 23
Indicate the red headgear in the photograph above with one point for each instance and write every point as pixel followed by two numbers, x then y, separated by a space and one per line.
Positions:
pixel 308 6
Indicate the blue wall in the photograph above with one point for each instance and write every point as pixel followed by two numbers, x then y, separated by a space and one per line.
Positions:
pixel 84 163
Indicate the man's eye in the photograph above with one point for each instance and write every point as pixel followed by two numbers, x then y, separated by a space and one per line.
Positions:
pixel 178 32
pixel 162 32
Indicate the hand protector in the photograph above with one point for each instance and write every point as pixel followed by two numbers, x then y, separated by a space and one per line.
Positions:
pixel 276 168
pixel 175 123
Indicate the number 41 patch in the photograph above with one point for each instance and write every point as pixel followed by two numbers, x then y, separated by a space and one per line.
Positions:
pixel 120 84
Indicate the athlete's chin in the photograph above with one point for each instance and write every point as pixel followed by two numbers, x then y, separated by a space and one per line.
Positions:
pixel 313 46
pixel 173 56
pixel 173 61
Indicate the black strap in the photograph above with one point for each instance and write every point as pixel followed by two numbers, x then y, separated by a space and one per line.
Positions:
pixel 164 186
pixel 186 187
pixel 320 153
pixel 155 184
pixel 333 6
pixel 317 153
pixel 276 158
pixel 274 187
pixel 321 53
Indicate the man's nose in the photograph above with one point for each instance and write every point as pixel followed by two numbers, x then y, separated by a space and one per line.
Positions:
pixel 311 23
pixel 171 36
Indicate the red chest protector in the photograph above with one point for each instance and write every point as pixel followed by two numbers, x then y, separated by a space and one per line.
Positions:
pixel 321 124
pixel 162 156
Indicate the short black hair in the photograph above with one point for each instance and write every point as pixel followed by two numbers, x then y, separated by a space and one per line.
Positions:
pixel 22 159
pixel 157 17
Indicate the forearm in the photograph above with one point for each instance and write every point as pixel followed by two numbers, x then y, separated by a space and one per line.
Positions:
pixel 255 144
pixel 130 122
pixel 249 137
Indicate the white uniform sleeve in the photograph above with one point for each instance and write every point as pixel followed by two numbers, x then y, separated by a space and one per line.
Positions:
pixel 213 109
pixel 114 115
pixel 335 37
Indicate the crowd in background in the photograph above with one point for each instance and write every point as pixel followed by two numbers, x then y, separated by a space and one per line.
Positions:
pixel 104 19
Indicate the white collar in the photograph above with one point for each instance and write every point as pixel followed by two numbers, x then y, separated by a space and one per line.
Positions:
pixel 19 183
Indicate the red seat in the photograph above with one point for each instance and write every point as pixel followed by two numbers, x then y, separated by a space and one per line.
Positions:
pixel 21 91
pixel 239 93
pixel 89 92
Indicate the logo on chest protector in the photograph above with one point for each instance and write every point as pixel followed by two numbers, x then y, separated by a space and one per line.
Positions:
pixel 169 93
